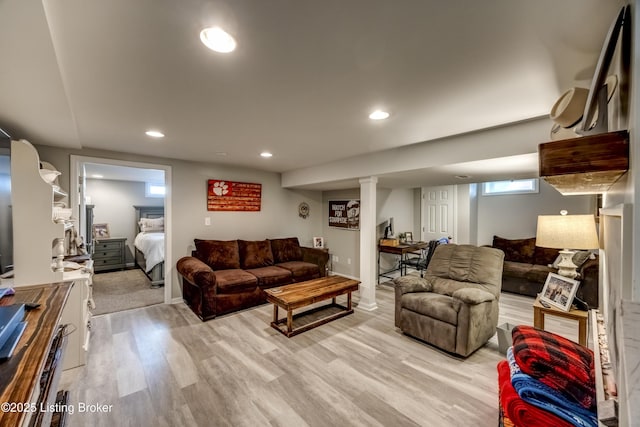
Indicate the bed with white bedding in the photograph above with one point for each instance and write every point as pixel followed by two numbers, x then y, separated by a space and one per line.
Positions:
pixel 149 242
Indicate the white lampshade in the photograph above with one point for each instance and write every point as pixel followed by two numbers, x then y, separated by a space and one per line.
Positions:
pixel 567 232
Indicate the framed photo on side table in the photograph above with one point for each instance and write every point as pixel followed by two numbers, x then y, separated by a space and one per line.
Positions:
pixel 318 242
pixel 101 231
pixel 559 291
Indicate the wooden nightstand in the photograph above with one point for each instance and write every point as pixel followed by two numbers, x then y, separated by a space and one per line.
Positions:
pixel 109 254
pixel 539 311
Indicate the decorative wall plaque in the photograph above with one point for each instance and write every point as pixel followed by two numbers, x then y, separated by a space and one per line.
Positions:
pixel 233 196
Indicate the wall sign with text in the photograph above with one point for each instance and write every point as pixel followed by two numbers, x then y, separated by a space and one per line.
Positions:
pixel 233 196
pixel 344 214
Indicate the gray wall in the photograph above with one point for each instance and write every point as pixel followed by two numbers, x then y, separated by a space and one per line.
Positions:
pixel 515 216
pixel 344 245
pixel 399 204
pixel 466 209
pixel 278 217
pixel 113 204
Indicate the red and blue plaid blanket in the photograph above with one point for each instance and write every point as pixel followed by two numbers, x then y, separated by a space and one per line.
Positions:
pixel 561 364
pixel 520 412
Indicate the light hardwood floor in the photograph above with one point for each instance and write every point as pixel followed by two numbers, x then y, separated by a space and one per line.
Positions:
pixel 162 366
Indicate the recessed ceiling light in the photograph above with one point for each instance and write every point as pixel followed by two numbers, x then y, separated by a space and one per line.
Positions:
pixel 97 176
pixel 266 154
pixel 155 134
pixel 463 176
pixel 218 40
pixel 378 115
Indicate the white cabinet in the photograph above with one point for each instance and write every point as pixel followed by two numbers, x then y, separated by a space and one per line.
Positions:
pixel 38 247
pixel 77 314
pixel 35 234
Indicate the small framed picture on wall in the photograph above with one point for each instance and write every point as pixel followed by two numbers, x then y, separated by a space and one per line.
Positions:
pixel 318 242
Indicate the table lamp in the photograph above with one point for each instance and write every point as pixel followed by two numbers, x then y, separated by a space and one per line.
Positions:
pixel 567 232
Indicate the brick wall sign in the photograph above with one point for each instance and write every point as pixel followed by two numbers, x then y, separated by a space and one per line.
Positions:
pixel 233 196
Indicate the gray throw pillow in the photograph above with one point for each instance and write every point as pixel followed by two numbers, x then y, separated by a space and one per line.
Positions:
pixel 579 258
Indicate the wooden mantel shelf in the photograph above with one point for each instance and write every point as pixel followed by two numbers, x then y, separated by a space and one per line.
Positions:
pixel 585 165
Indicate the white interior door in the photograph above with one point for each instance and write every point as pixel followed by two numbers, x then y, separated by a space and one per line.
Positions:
pixel 438 212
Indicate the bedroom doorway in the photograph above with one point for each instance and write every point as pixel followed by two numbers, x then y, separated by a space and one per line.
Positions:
pixel 111 199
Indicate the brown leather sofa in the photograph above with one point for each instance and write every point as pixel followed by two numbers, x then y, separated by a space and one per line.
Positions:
pixel 224 276
pixel 526 267
pixel 455 306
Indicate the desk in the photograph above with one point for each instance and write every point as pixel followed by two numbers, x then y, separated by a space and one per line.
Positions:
pixel 401 250
pixel 581 316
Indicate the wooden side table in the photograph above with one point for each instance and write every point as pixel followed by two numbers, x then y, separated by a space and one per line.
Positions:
pixel 539 311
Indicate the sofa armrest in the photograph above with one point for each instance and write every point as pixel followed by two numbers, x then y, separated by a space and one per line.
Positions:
pixel 404 285
pixel 196 272
pixel 473 296
pixel 411 283
pixel 589 267
pixel 319 257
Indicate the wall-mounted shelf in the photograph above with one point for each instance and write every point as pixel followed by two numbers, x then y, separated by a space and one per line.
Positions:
pixel 58 193
pixel 585 165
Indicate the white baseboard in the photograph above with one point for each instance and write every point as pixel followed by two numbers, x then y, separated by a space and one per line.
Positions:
pixel 177 300
pixel 333 273
pixel 367 307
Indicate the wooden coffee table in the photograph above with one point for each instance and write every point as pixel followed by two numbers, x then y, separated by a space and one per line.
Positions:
pixel 297 295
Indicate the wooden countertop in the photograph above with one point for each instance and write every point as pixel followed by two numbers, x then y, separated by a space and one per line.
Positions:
pixel 19 376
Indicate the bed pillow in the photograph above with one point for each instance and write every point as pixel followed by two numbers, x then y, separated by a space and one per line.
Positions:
pixel 151 224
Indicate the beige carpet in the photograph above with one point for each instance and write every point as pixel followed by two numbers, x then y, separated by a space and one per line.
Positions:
pixel 123 290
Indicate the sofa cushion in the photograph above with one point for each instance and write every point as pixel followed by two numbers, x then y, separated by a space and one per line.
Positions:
pixel 518 250
pixel 285 250
pixel 473 296
pixel 235 280
pixel 255 253
pixel 467 266
pixel 532 272
pixel 271 276
pixel 538 273
pixel 440 307
pixel 515 269
pixel 411 282
pixel 544 256
pixel 301 270
pixel 218 254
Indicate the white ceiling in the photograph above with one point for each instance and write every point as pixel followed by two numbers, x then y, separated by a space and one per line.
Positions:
pixel 303 80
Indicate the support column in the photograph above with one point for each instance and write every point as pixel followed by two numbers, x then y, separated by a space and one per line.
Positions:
pixel 368 246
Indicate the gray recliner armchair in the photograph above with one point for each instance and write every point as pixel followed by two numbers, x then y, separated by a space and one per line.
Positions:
pixel 455 305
